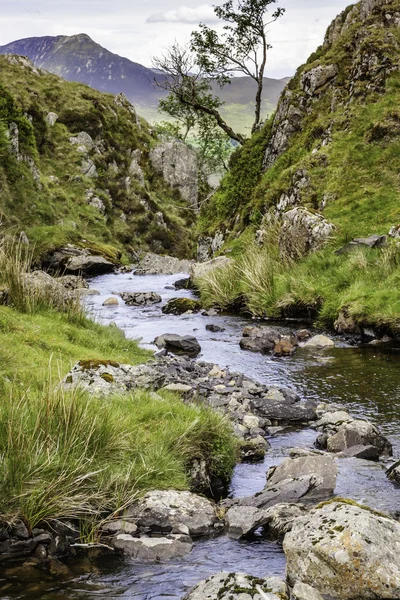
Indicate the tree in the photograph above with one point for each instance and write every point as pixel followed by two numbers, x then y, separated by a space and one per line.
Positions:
pixel 242 47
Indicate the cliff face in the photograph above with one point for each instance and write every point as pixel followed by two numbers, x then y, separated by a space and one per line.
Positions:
pixel 331 150
pixel 75 167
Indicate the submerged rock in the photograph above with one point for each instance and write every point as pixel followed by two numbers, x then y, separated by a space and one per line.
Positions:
pixel 347 550
pixel 320 341
pixel 238 586
pixel 153 549
pixel 161 511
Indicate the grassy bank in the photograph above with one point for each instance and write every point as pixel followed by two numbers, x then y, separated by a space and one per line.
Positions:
pixel 362 285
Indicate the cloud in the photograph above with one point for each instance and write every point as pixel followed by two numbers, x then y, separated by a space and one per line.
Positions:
pixel 185 14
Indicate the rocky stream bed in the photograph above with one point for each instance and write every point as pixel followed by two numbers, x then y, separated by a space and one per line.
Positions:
pixel 279 407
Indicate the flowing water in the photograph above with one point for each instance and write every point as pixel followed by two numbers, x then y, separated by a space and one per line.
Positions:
pixel 365 379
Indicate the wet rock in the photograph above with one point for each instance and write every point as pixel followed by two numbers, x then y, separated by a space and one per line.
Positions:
pixel 111 302
pixel 155 264
pixel 161 511
pixel 333 419
pixel 283 406
pixel 284 348
pixel 322 467
pixel 153 549
pixel 320 341
pixel 140 298
pixel 237 586
pixel 288 491
pixel 276 521
pixel 393 472
pixel 183 284
pixel 365 452
pixel 179 306
pixel 358 433
pixel 254 449
pixel 303 335
pixel 214 328
pixel 351 551
pixel 178 344
pixel 199 270
pixel 259 339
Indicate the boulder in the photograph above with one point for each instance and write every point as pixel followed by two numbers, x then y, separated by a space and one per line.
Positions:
pixel 183 284
pixel 153 549
pixel 276 521
pixel 238 586
pixel 359 433
pixel 155 264
pixel 320 341
pixel 178 344
pixel 111 302
pixel 140 298
pixel 259 339
pixel 322 467
pixel 303 232
pixel 284 348
pixel 345 550
pixel 313 80
pixel 89 265
pixel 73 282
pixel 287 491
pixel 393 472
pixel 179 306
pixel 161 511
pixel 41 286
pixel 214 328
pixel 199 270
pixel 373 241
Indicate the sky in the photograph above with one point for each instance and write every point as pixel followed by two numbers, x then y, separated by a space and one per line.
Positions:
pixel 141 30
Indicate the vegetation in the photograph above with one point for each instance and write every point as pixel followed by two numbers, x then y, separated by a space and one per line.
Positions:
pixel 44 189
pixel 213 58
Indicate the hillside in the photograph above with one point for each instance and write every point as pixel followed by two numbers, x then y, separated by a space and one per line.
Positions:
pixel 76 168
pixel 78 58
pixel 324 170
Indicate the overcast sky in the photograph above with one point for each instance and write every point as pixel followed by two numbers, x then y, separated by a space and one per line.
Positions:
pixel 141 29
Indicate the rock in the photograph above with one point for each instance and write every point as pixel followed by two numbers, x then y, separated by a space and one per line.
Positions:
pixel 373 241
pixel 214 328
pixel 283 406
pixel 276 521
pixel 119 526
pixel 346 549
pixel 179 388
pixel 254 449
pixel 179 167
pixel 365 452
pixel 179 306
pixel 41 286
pixel 51 119
pixel 332 419
pixel 320 341
pixel 303 334
pixel 313 80
pixel 287 491
pixel 111 302
pixel 183 284
pixel 359 433
pixel 207 246
pixel 140 298
pixel 284 348
pixel 393 472
pixel 237 586
pixel 322 468
pixel 178 344
pixel 302 591
pixel 153 549
pixel 89 265
pixel 303 232
pixel 259 339
pixel 73 282
pixel 161 511
pixel 154 264
pixel 199 270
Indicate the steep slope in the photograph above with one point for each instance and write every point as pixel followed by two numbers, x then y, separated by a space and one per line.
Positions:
pixel 76 167
pixel 325 169
pixel 79 58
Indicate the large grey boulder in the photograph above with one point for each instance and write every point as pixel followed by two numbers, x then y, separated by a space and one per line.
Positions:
pixel 40 286
pixel 153 549
pixel 238 586
pixel 89 265
pixel 202 269
pixel 358 433
pixel 287 491
pixel 283 406
pixel 179 344
pixel 140 298
pixel 73 282
pixel 345 551
pixel 161 511
pixel 259 339
pixel 303 232
pixel 322 467
pixel 276 521
pixel 313 80
pixel 177 163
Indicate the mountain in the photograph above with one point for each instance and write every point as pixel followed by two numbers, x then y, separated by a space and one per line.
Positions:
pixel 322 172
pixel 78 58
pixel 79 166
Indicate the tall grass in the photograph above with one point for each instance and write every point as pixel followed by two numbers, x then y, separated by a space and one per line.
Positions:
pixel 73 456
pixel 363 282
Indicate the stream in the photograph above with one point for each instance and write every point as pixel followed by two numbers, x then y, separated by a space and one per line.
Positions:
pixel 365 379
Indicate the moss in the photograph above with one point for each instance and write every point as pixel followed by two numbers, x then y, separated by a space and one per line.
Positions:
pixel 178 306
pixel 350 502
pixel 107 377
pixel 87 365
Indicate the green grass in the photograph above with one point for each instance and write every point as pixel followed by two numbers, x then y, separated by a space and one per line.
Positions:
pixel 72 456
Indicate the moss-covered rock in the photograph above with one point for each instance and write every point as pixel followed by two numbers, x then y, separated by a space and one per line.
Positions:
pixel 178 306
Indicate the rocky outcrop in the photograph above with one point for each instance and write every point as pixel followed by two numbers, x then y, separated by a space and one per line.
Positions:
pixel 179 167
pixel 346 551
pixel 302 232
pixel 238 586
pixel 199 270
pixel 207 246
